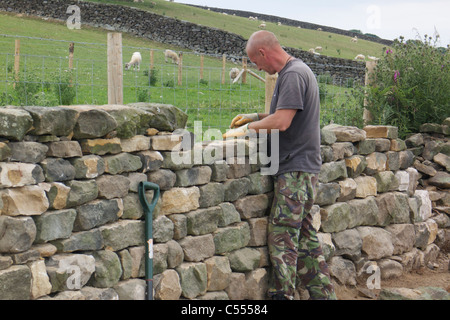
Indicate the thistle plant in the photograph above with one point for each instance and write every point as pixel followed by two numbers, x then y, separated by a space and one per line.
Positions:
pixel 411 85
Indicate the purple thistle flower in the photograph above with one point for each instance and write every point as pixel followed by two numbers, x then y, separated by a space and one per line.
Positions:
pixel 396 75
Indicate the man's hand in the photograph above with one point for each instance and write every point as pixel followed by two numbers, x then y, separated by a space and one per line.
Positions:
pixel 242 119
pixel 238 132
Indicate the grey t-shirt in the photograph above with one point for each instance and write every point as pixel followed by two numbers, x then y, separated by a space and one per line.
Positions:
pixel 297 88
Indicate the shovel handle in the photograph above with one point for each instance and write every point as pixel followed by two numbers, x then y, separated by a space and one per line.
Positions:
pixel 143 186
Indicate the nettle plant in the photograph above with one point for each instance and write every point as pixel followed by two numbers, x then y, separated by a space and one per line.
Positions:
pixel 411 85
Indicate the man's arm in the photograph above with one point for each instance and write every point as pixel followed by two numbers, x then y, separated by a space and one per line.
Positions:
pixel 280 120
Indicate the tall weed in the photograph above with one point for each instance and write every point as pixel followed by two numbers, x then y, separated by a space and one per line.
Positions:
pixel 411 85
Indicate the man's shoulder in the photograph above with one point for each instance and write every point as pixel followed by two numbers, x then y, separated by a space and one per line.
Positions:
pixel 299 67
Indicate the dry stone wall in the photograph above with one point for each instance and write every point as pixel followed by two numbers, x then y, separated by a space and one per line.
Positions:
pixel 72 226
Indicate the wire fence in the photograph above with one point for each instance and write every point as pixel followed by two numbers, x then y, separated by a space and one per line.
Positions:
pixel 36 71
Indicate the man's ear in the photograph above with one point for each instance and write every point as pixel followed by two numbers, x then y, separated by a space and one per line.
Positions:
pixel 262 52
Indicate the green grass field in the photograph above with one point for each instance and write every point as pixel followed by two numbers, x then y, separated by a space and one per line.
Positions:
pixel 44 72
pixel 333 45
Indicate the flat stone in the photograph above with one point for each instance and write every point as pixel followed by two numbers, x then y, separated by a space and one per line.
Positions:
pixel 198 175
pixel 57 169
pixel 193 279
pixel 15 174
pixel 389 132
pixel 97 213
pixel 376 242
pixel 164 117
pixel 347 133
pixel 16 234
pixel 219 272
pixel 88 167
pixel 180 200
pixel 365 186
pixel 58 121
pixel 28 151
pixel 64 149
pixel 92 123
pixel 14 123
pixel 198 248
pixel 252 206
pixel 231 238
pixel 90 240
pixel 101 146
pixel 123 234
pixel 53 225
pixel 442 160
pixel 203 221
pixel 81 192
pixel 112 186
pixel 16 283
pixel 333 171
pixel 122 162
pixel 440 180
pixel 151 160
pixel 23 201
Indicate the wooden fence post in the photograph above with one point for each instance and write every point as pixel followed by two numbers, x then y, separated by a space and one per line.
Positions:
pixel 244 66
pixel 224 61
pixel 16 61
pixel 71 50
pixel 270 87
pixel 115 69
pixel 152 59
pixel 202 58
pixel 180 69
pixel 370 68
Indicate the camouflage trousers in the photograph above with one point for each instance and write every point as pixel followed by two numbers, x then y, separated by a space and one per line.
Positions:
pixel 295 251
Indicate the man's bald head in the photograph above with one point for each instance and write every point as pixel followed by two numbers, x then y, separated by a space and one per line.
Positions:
pixel 262 40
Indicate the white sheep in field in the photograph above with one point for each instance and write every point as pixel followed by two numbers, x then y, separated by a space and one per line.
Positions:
pixel 135 61
pixel 234 73
pixel 319 48
pixel 319 29
pixel 169 54
pixel 311 50
pixel 262 26
pixel 360 57
pixel 354 39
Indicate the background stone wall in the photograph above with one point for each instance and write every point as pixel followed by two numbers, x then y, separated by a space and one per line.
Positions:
pixel 72 227
pixel 172 31
pixel 296 23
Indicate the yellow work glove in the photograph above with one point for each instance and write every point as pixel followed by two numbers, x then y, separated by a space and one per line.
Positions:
pixel 238 132
pixel 242 119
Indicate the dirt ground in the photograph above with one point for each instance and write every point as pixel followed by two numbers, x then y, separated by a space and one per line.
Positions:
pixel 425 277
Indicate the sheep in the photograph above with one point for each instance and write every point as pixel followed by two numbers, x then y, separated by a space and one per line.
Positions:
pixel 354 39
pixel 135 61
pixel 172 55
pixel 373 58
pixel 360 57
pixel 319 29
pixel 138 0
pixel 279 23
pixel 234 73
pixel 311 50
pixel 319 49
pixel 262 26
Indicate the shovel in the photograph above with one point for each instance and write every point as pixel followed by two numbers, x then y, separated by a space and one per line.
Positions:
pixel 148 211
